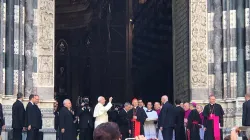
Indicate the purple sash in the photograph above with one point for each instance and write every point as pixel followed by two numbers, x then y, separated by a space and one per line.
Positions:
pixel 216 126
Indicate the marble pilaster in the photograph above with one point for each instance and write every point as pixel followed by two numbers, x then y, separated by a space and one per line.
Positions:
pixel 198 49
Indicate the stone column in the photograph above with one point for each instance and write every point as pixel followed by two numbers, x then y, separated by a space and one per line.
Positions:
pixel 45 17
pixel 240 37
pixel 247 37
pixel 198 50
pixel 16 45
pixel 2 44
pixel 9 58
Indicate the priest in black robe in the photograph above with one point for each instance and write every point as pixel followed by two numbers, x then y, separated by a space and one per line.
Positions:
pixel 194 123
pixel 179 128
pixel 66 122
pixel 213 120
pixel 136 116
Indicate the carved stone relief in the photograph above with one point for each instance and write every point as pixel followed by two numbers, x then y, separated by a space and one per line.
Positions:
pixel 198 48
pixel 45 50
pixel 46 26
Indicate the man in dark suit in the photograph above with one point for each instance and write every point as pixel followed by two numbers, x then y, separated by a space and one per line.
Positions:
pixel 167 119
pixel 33 118
pixel 18 117
pixel 246 112
pixel 86 123
pixel 179 121
pixel 123 121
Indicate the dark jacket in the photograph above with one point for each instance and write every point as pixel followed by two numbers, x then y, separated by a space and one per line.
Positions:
pixel 246 113
pixel 179 123
pixel 33 116
pixel 167 116
pixel 18 115
pixel 85 118
pixel 2 121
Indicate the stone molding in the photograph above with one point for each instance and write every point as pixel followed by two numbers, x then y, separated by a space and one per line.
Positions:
pixel 198 49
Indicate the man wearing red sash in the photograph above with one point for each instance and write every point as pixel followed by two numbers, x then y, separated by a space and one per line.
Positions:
pixel 213 120
pixel 137 117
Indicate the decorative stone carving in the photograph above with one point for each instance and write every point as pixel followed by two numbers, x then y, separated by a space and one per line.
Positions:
pixel 198 34
pixel 46 26
pixel 45 46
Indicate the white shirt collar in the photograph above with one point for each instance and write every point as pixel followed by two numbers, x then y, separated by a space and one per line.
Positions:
pixel 31 102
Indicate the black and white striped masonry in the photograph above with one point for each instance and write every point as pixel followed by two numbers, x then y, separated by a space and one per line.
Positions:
pixel 247 47
pixel 12 48
pixel 210 47
pixel 2 45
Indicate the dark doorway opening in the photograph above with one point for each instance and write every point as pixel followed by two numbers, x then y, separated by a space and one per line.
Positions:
pixel 94 55
pixel 152 50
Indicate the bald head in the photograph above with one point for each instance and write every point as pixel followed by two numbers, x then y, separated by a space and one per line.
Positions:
pixel 101 100
pixel 164 99
pixel 67 103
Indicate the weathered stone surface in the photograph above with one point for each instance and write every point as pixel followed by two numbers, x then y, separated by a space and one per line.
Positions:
pixel 181 49
pixel 198 49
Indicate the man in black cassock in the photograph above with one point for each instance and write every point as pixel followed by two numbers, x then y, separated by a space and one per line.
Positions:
pixel 166 121
pixel 137 114
pixel 66 122
pixel 213 110
pixel 194 123
pixel 179 121
pixel 18 117
pixel 246 112
pixel 123 121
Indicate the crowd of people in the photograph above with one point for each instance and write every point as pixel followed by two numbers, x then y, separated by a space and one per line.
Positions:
pixel 153 121
pixel 161 121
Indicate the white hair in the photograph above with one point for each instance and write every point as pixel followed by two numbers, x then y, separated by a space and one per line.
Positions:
pixel 165 97
pixel 65 101
pixel 126 104
pixel 100 98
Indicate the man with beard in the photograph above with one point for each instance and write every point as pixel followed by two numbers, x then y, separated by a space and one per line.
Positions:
pixel 66 122
pixel 137 117
pixel 213 120
pixel 179 121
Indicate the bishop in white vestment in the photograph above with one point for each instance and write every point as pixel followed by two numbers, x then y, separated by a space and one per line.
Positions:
pixel 100 112
pixel 150 126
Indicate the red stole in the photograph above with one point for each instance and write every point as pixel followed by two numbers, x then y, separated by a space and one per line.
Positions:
pixel 216 122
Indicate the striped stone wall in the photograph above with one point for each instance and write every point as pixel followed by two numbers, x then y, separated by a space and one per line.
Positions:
pixel 18 47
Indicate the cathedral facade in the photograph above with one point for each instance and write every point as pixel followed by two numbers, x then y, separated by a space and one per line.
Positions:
pixel 210 54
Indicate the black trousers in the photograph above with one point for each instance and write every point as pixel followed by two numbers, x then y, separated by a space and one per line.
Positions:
pixel 86 134
pixel 33 134
pixel 17 133
pixel 167 133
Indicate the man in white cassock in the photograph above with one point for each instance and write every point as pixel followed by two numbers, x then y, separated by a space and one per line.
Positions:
pixel 100 112
pixel 149 125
